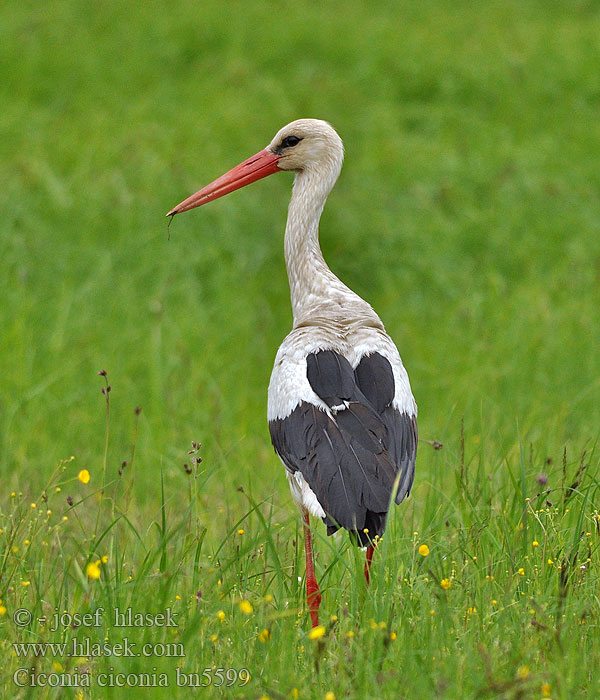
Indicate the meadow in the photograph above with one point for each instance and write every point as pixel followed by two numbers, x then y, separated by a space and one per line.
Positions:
pixel 467 213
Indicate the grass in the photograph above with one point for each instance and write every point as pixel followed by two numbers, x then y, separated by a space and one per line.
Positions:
pixel 467 214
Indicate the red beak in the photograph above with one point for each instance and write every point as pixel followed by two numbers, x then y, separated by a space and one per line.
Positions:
pixel 260 165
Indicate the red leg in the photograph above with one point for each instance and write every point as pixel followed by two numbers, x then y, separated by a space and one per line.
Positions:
pixel 313 594
pixel 370 550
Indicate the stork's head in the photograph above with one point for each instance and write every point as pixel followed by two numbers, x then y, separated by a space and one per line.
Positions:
pixel 305 145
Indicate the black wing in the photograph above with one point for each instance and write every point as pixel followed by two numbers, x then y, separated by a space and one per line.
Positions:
pixel 353 460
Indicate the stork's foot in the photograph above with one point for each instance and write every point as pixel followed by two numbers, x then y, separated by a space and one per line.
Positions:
pixel 313 597
pixel 369 557
pixel 313 594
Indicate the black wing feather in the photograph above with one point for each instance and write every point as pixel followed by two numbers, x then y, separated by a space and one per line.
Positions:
pixel 354 460
pixel 375 378
pixel 330 376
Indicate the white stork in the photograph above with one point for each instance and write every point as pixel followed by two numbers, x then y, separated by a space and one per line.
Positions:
pixel 341 412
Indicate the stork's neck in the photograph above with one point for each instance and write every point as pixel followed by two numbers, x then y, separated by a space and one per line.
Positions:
pixel 314 289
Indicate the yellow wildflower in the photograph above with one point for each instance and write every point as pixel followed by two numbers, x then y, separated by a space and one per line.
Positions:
pixel 317 632
pixel 393 636
pixel 57 666
pixel 268 598
pixel 241 531
pixel 33 506
pixel 445 583
pixel 246 607
pixel 93 570
pixel 264 636
pixel 350 634
pixel 546 689
pixel 523 672
pixel 535 543
pixel 329 695
pixel 2 610
pixel 105 558
pixel 213 638
pixel 221 615
pixel 424 550
pixel 84 476
pixel 521 571
pixel 25 583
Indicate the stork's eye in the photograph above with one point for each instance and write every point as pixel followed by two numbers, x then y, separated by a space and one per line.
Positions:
pixel 290 141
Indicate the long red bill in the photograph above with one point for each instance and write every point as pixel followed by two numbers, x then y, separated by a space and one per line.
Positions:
pixel 258 166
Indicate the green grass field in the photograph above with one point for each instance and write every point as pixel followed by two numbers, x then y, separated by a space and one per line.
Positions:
pixel 467 213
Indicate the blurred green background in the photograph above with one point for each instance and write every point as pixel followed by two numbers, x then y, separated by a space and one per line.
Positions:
pixel 467 213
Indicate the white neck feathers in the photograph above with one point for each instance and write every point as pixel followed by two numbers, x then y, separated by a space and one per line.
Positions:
pixel 314 289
